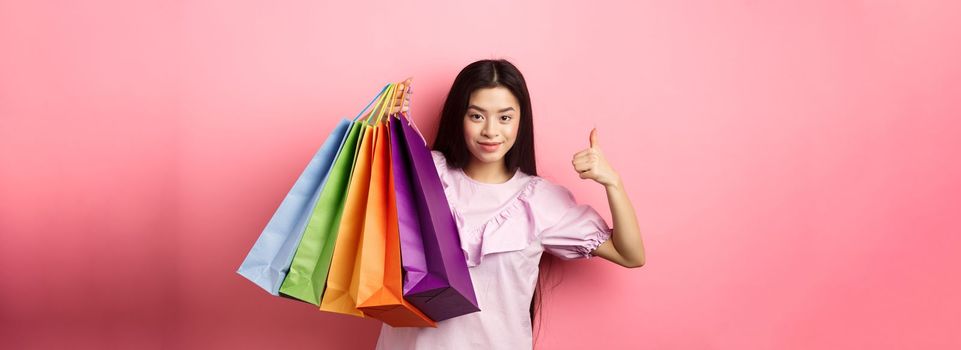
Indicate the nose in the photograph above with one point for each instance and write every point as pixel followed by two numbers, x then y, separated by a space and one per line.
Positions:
pixel 490 129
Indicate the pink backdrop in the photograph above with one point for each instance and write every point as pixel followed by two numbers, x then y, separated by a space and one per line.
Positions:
pixel 794 166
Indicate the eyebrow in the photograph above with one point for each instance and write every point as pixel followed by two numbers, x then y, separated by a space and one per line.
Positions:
pixel 484 111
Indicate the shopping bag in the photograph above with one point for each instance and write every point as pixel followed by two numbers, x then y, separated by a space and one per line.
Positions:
pixel 339 297
pixel 269 259
pixel 307 276
pixel 408 219
pixel 446 290
pixel 378 272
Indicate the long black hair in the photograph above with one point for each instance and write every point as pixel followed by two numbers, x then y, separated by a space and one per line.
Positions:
pixel 450 133
pixel 479 75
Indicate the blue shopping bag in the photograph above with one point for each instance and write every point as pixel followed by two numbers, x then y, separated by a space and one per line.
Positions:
pixel 269 259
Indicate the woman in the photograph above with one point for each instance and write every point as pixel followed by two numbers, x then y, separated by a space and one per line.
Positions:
pixel 507 215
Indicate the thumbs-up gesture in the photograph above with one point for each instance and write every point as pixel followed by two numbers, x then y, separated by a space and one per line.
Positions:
pixel 591 164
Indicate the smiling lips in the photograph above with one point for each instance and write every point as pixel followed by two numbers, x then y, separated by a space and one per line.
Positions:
pixel 489 146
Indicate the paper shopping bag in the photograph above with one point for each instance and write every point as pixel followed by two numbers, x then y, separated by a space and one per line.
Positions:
pixel 445 290
pixel 378 274
pixel 338 297
pixel 269 259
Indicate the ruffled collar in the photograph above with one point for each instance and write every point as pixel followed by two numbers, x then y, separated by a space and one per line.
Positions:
pixel 475 239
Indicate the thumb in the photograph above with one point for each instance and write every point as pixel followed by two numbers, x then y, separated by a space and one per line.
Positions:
pixel 594 138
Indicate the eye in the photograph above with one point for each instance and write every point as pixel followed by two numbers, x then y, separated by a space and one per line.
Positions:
pixel 476 117
pixel 506 118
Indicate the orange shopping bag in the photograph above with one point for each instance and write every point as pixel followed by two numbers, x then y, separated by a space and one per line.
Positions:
pixel 338 297
pixel 377 273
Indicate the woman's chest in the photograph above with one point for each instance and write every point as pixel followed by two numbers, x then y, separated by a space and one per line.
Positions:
pixel 477 204
pixel 495 220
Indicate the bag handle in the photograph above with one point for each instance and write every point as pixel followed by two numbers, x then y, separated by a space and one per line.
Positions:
pixel 376 98
pixel 386 97
pixel 382 108
pixel 392 104
pixel 403 97
pixel 413 125
pixel 406 115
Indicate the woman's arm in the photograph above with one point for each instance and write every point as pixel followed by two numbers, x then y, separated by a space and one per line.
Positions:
pixel 625 247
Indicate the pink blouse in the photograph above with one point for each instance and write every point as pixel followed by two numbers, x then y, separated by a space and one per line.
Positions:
pixel 504 229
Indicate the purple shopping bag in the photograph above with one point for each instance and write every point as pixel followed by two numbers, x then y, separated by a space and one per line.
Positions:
pixel 436 279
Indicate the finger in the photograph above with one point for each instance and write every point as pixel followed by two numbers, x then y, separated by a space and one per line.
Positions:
pixel 593 137
pixel 589 156
pixel 582 153
pixel 580 168
pixel 583 160
pixel 580 165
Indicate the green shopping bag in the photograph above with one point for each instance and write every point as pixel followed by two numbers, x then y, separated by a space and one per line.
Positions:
pixel 308 270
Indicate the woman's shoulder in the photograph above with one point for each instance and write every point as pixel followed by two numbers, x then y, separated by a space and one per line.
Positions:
pixel 440 162
pixel 547 200
pixel 548 192
pixel 438 157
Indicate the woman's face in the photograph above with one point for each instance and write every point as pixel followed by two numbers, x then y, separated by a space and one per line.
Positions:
pixel 490 124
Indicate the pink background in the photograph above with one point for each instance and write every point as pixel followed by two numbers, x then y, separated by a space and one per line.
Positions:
pixel 794 165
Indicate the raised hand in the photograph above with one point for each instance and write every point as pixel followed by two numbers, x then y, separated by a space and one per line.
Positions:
pixel 591 164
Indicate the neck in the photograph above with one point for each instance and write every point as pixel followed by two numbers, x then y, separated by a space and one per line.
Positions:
pixel 494 172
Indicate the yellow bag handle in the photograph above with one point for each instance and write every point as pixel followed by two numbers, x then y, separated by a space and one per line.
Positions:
pixel 385 99
pixel 372 101
pixel 392 104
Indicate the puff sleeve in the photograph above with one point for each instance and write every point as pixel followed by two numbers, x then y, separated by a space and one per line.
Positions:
pixel 570 230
